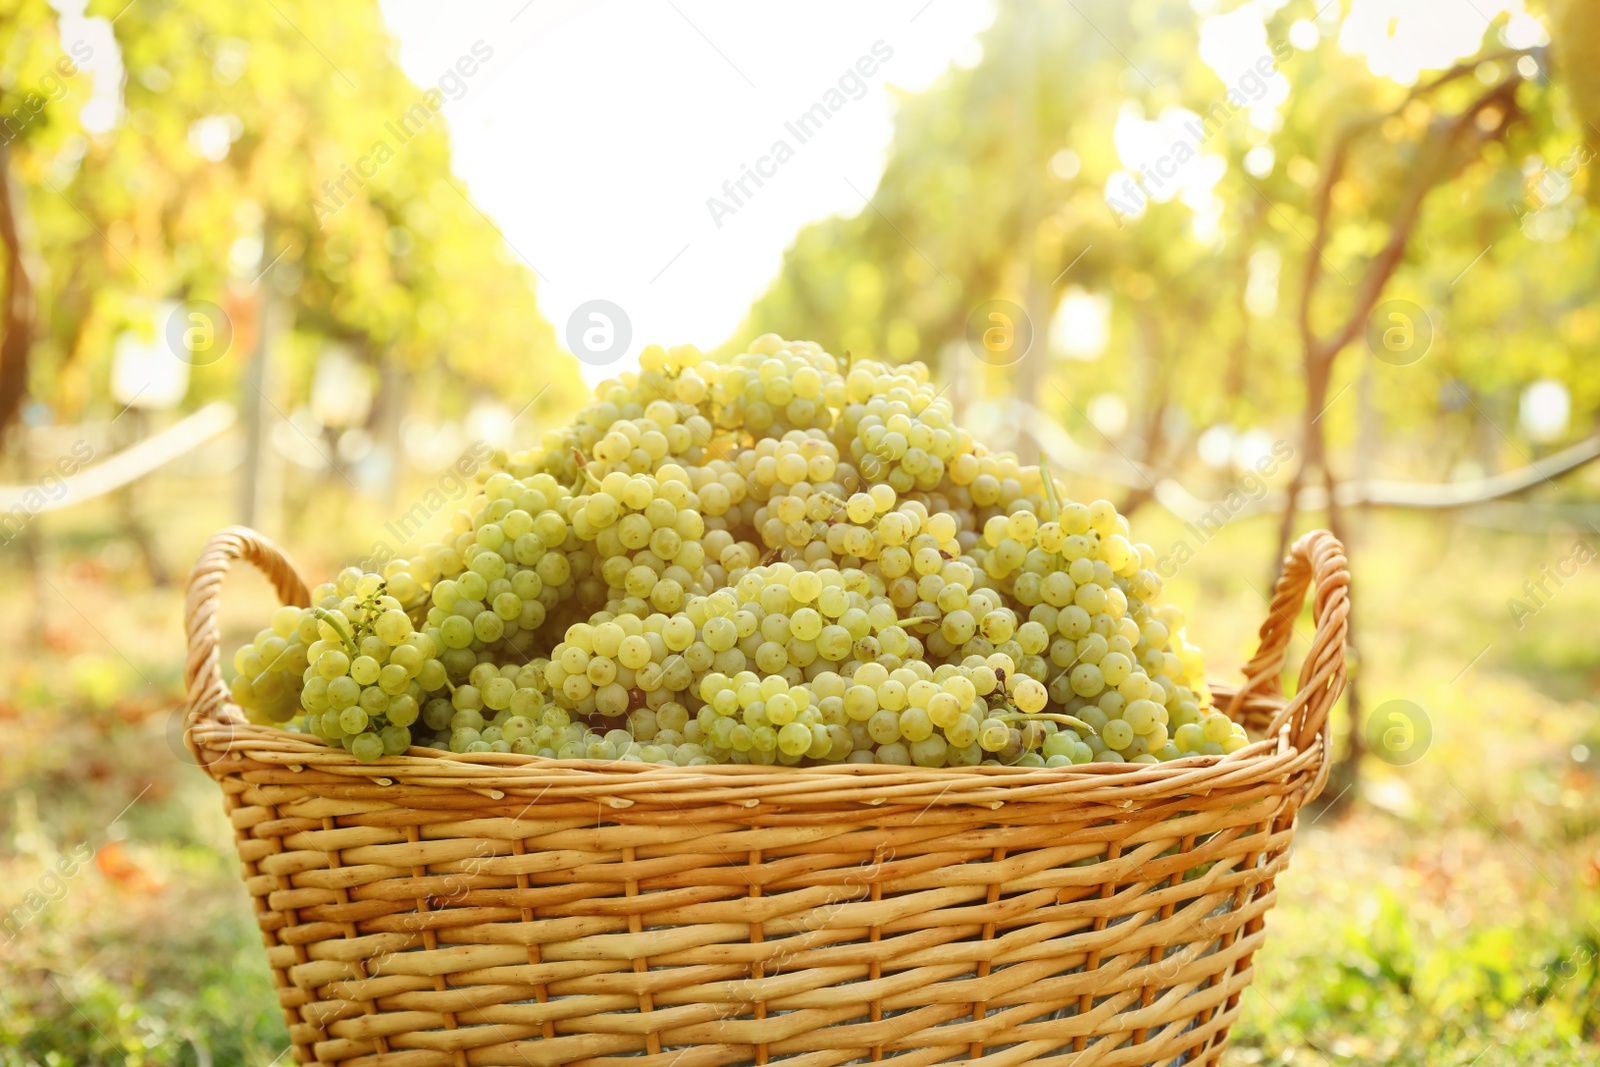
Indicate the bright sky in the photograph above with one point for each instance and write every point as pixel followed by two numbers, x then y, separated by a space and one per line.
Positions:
pixel 595 133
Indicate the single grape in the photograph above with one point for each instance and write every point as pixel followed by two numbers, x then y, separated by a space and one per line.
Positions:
pixel 367 747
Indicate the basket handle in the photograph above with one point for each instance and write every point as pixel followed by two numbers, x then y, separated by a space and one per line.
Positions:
pixel 1316 560
pixel 202 674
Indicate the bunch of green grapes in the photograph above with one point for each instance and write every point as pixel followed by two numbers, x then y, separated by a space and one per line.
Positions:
pixel 271 668
pixel 662 414
pixel 783 558
pixel 646 531
pixel 800 486
pixel 778 386
pixel 725 502
pixel 369 671
pixel 766 720
pixel 495 709
pixel 902 431
pixel 513 560
pixel 1135 698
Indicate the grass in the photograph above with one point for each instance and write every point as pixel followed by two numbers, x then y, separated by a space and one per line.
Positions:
pixel 1446 916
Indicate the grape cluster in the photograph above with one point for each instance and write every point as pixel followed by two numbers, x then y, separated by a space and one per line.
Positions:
pixel 900 428
pixel 773 389
pixel 368 671
pixel 779 559
pixel 269 670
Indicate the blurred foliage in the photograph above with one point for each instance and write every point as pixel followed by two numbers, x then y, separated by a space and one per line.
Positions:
pixel 1448 917
pixel 998 181
pixel 236 157
pixel 1577 45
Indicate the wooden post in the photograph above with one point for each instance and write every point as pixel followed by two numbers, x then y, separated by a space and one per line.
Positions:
pixel 261 472
pixel 1029 373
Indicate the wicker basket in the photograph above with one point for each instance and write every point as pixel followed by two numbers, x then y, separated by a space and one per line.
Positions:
pixel 503 909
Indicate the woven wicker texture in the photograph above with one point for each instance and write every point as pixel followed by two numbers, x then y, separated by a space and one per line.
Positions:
pixel 503 909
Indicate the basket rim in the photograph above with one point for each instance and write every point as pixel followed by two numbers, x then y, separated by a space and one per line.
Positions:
pixel 235 726
pixel 269 755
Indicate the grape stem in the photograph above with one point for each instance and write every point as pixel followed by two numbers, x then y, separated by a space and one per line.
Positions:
pixel 340 626
pixel 1049 487
pixel 583 469
pixel 1045 716
pixel 1055 504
